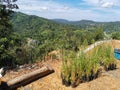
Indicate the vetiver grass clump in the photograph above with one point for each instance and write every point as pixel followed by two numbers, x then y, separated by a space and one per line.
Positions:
pixel 106 57
pixel 80 69
pixel 84 68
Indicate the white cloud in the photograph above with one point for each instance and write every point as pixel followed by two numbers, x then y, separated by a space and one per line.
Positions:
pixel 51 9
pixel 72 14
pixel 44 8
pixel 91 1
pixel 103 3
pixel 36 5
pixel 107 4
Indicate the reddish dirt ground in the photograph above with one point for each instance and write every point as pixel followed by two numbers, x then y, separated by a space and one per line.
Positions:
pixel 107 81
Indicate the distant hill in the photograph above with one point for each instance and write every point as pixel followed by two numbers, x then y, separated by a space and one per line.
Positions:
pixel 64 21
pixel 72 22
pixel 86 24
pixel 31 24
pixel 61 21
pixel 24 22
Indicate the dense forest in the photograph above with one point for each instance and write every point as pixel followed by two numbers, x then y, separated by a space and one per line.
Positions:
pixel 50 35
pixel 29 38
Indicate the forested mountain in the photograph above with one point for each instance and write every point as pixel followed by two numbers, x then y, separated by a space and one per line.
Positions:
pixel 30 22
pixel 38 36
pixel 37 27
pixel 87 24
pixel 31 25
pixel 49 35
pixel 73 22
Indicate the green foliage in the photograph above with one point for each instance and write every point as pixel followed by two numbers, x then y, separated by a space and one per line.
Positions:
pixel 82 68
pixel 86 67
pixel 49 35
pixel 85 43
pixel 6 57
pixel 99 34
pixel 16 27
pixel 105 56
pixel 116 35
pixel 108 27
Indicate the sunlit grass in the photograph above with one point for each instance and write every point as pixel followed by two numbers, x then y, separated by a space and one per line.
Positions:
pixel 86 67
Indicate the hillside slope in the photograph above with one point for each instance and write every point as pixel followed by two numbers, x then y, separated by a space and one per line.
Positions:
pixel 107 81
pixel 30 25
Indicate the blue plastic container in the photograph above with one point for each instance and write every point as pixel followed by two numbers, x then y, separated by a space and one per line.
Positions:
pixel 117 53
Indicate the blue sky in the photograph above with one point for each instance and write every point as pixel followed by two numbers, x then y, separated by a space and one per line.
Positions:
pixel 97 10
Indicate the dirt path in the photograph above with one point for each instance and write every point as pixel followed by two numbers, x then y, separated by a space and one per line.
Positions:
pixel 94 45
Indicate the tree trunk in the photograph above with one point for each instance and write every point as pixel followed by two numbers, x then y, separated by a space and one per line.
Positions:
pixel 27 78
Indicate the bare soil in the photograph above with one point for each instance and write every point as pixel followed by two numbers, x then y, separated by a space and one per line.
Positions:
pixel 109 80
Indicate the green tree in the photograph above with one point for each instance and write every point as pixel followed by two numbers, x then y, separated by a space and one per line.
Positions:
pixel 99 34
pixel 116 35
pixel 6 7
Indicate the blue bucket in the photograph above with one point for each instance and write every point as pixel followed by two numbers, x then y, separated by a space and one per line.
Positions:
pixel 117 53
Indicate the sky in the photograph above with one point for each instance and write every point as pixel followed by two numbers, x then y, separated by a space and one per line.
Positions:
pixel 73 10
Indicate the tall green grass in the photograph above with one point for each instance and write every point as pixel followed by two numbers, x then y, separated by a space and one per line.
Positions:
pixel 105 55
pixel 86 67
pixel 78 69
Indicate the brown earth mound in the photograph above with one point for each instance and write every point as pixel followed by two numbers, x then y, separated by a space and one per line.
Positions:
pixel 107 81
